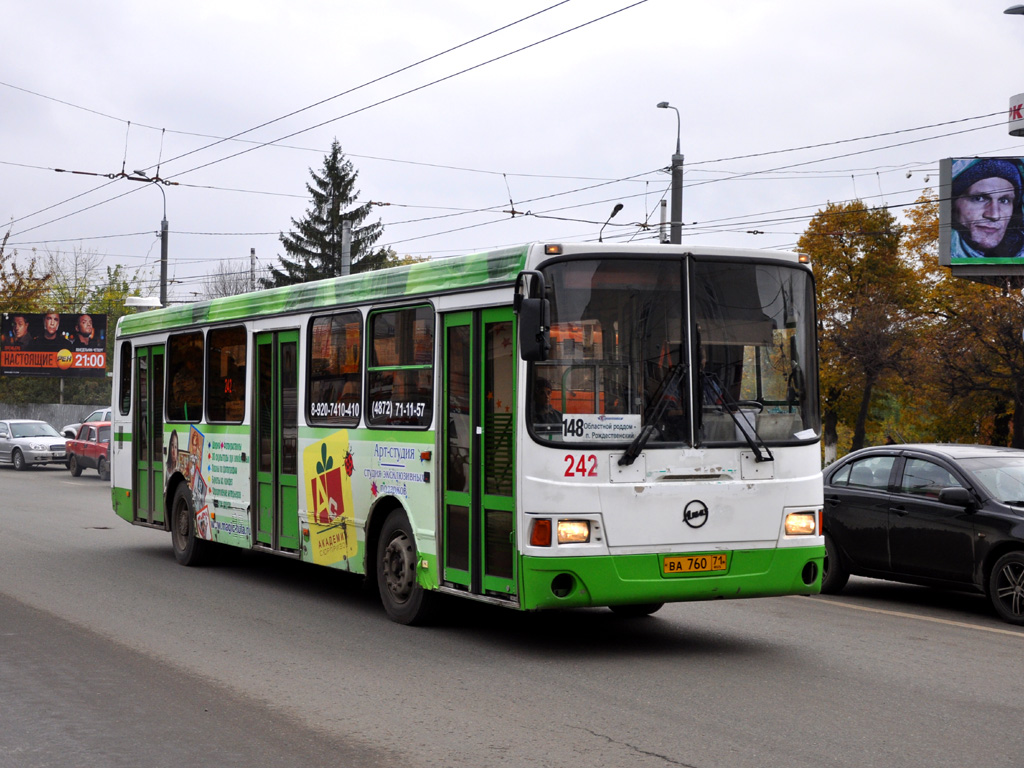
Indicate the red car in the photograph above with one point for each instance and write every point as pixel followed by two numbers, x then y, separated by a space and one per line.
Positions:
pixel 91 449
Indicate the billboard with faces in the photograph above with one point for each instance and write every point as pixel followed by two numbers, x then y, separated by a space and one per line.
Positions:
pixel 53 344
pixel 981 224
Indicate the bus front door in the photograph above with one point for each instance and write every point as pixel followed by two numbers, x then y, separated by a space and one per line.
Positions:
pixel 276 433
pixel 478 537
pixel 148 436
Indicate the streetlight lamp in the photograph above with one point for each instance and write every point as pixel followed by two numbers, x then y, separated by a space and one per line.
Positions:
pixel 676 226
pixel 163 233
pixel 615 210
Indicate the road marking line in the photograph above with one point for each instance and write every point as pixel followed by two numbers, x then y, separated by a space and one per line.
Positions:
pixel 901 614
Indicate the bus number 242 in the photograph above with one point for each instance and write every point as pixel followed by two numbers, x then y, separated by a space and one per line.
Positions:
pixel 581 466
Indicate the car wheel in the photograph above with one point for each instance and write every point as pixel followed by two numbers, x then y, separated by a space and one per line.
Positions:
pixel 1006 587
pixel 103 467
pixel 73 466
pixel 188 550
pixel 405 601
pixel 637 610
pixel 833 575
pixel 18 460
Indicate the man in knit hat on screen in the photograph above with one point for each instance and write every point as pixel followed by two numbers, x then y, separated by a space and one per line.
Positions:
pixel 986 209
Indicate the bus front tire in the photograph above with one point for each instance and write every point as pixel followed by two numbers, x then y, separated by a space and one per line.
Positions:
pixel 405 601
pixel 188 550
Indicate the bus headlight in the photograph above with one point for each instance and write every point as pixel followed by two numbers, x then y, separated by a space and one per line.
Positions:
pixel 801 524
pixel 573 531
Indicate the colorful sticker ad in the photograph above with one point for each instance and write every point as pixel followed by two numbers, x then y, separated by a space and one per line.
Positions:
pixel 329 465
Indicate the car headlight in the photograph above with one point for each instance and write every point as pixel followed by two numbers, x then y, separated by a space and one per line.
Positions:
pixel 36 447
pixel 801 524
pixel 573 531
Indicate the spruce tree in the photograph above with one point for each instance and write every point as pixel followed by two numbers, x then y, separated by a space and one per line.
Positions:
pixel 314 245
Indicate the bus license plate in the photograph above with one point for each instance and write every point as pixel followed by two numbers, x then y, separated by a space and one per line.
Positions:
pixel 695 563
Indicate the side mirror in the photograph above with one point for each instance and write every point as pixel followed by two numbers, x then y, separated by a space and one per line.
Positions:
pixel 957 497
pixel 534 311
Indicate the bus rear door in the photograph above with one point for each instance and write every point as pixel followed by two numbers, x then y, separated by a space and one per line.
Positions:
pixel 276 432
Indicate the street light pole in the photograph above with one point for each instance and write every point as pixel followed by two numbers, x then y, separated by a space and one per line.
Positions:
pixel 676 223
pixel 163 234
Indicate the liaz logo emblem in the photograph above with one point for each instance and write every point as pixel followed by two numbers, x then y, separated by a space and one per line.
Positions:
pixel 695 514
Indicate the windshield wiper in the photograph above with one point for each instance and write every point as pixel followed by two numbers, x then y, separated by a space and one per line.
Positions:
pixel 746 427
pixel 669 385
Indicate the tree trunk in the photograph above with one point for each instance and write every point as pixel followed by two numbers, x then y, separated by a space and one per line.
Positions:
pixel 860 429
pixel 830 435
pixel 1018 424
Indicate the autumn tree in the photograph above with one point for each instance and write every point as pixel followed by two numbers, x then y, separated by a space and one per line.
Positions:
pixel 970 359
pixel 314 246
pixel 20 287
pixel 867 296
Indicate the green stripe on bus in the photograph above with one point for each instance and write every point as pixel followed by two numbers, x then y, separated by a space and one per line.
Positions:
pixel 454 273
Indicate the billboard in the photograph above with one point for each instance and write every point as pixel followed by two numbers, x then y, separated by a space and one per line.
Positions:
pixel 981 224
pixel 53 344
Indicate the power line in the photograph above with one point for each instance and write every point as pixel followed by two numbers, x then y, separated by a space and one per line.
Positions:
pixel 416 89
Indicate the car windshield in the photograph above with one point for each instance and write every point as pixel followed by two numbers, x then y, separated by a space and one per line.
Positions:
pixel 1001 476
pixel 676 351
pixel 33 429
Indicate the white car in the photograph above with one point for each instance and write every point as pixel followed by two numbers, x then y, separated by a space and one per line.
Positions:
pixel 28 443
pixel 70 431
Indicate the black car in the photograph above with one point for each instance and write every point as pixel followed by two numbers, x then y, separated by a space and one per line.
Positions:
pixel 939 515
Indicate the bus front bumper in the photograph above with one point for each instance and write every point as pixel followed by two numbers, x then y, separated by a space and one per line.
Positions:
pixel 574 582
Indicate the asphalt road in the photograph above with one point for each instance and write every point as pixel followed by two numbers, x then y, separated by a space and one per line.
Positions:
pixel 113 655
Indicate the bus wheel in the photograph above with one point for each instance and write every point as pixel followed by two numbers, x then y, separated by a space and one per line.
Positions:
pixel 636 610
pixel 405 601
pixel 188 550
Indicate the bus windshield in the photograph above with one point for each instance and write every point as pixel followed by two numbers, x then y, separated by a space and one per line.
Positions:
pixel 680 351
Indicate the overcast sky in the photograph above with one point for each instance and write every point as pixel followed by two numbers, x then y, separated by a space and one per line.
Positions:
pixel 551 114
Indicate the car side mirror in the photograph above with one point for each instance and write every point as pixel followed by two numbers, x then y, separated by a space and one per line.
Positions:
pixel 958 497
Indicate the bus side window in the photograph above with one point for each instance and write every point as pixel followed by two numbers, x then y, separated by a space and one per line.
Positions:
pixel 185 384
pixel 335 377
pixel 400 367
pixel 225 367
pixel 125 391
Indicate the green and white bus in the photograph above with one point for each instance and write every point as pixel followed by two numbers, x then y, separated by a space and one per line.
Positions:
pixel 545 426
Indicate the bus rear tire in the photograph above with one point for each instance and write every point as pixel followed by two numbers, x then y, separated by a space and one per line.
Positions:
pixel 188 550
pixel 636 610
pixel 405 601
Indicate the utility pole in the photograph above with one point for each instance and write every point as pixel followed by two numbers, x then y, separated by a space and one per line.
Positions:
pixel 252 269
pixel 141 176
pixel 346 247
pixel 676 224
